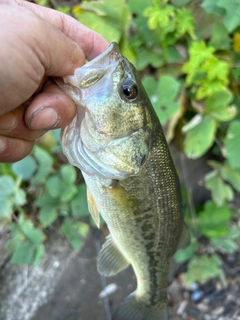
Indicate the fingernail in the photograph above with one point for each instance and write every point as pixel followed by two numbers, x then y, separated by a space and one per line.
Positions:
pixel 7 121
pixel 44 118
pixel 2 145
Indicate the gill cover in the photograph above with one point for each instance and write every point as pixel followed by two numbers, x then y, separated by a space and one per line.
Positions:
pixel 111 133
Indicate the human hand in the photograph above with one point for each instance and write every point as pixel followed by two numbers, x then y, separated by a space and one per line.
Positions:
pixel 37 43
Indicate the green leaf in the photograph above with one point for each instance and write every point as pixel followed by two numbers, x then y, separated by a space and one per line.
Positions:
pixel 74 232
pixel 68 193
pixel 184 255
pixel 231 143
pixel 54 186
pixel 99 24
pixel 219 37
pixel 211 6
pixel 232 16
pixel 68 173
pixel 79 206
pixel 218 106
pixel 180 3
pixel 7 185
pixel 47 217
pixel 214 220
pixel 19 197
pixel 232 176
pixel 23 254
pixel 45 162
pixel 47 202
pixel 162 95
pixel 226 245
pixel 25 168
pixel 148 57
pixel 39 252
pixel 185 22
pixel 203 268
pixel 200 137
pixel 6 207
pixel 220 190
pixel 33 235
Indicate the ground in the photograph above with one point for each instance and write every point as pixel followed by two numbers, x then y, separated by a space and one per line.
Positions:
pixel 67 286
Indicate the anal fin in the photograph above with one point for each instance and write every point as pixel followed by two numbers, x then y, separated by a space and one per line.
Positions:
pixel 92 207
pixel 110 259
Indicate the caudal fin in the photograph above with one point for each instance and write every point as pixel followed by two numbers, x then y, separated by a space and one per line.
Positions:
pixel 131 309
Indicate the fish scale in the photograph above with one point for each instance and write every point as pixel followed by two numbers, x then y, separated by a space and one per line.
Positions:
pixel 120 147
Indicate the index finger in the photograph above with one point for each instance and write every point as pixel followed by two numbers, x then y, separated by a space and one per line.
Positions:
pixel 90 41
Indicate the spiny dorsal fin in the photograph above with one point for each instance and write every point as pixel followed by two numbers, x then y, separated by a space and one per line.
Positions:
pixel 110 259
pixel 92 207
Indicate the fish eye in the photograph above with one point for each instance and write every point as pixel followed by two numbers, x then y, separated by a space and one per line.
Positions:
pixel 129 90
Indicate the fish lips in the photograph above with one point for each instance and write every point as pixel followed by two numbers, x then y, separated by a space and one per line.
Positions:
pixel 89 74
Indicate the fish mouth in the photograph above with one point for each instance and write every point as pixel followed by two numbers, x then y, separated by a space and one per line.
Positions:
pixel 85 76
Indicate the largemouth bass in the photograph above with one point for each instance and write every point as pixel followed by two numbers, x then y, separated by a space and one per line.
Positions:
pixel 117 141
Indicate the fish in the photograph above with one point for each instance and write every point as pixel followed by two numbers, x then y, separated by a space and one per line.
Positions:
pixel 118 143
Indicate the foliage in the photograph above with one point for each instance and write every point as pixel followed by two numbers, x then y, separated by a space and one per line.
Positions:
pixel 188 55
pixel 54 193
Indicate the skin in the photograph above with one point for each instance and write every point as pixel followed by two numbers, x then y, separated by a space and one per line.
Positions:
pixel 37 43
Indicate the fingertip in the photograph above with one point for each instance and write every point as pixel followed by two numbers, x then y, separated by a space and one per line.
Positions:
pixel 50 109
pixel 12 150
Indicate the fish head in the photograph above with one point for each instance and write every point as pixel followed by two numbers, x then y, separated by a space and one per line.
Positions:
pixel 111 133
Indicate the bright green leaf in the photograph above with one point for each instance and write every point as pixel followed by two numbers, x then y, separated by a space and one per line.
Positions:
pixel 214 220
pixel 200 138
pixel 185 22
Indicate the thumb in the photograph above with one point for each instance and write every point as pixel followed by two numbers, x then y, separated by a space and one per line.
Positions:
pixel 59 54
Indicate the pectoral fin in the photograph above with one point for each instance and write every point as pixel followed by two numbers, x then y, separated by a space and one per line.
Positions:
pixel 110 259
pixel 92 207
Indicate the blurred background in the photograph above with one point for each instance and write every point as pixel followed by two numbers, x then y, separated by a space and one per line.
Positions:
pixel 187 54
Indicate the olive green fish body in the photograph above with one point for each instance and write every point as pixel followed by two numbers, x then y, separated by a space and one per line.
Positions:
pixel 119 145
pixel 143 214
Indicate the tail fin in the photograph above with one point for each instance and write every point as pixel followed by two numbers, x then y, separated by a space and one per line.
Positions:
pixel 131 309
